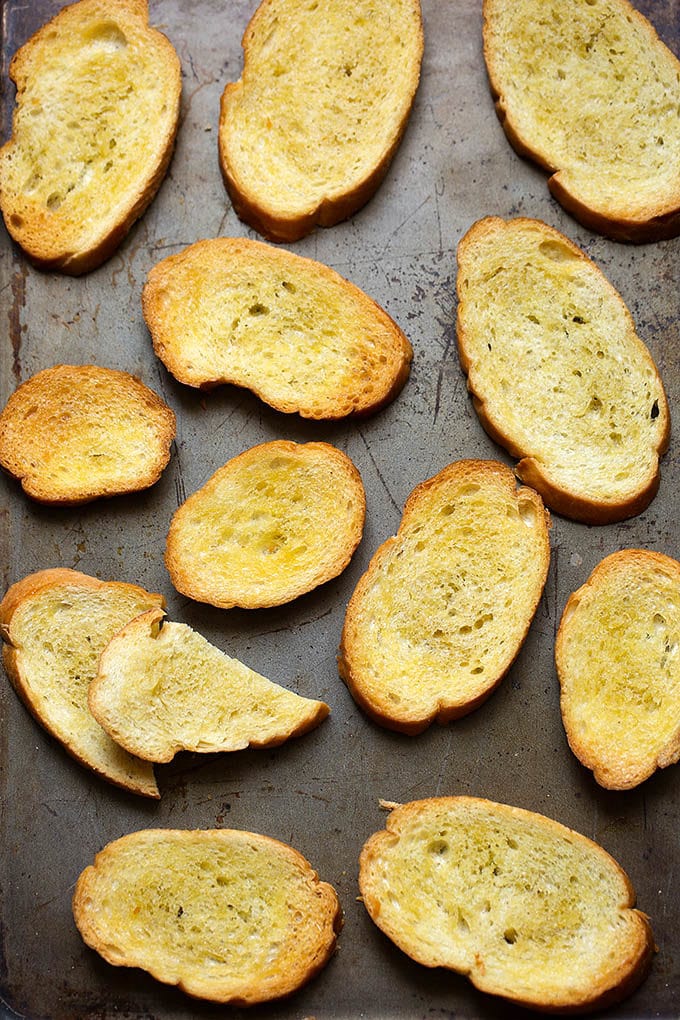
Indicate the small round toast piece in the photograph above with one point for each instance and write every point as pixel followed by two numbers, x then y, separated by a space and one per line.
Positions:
pixel 97 109
pixel 618 663
pixel 524 907
pixel 74 433
pixel 443 609
pixel 296 333
pixel 308 132
pixel 55 624
pixel 230 916
pixel 272 524
pixel 557 372
pixel 162 688
pixel 591 94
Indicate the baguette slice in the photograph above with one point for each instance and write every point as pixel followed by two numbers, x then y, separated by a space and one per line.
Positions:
pixel 97 109
pixel 524 907
pixel 272 524
pixel 55 624
pixel 619 669
pixel 442 611
pixel 308 132
pixel 229 916
pixel 591 94
pixel 162 688
pixel 290 329
pixel 74 433
pixel 558 374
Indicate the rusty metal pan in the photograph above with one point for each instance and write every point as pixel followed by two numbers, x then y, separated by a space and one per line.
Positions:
pixel 320 793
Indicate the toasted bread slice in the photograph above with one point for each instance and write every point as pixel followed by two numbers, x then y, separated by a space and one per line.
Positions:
pixel 229 916
pixel 162 688
pixel 308 132
pixel 292 330
pixel 526 908
pixel 558 375
pixel 97 109
pixel 591 94
pixel 442 611
pixel 55 624
pixel 74 433
pixel 273 523
pixel 617 658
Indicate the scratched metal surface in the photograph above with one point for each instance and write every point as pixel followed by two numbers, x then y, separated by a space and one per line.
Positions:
pixel 319 793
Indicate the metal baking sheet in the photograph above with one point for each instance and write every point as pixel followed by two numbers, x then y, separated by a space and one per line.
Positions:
pixel 319 793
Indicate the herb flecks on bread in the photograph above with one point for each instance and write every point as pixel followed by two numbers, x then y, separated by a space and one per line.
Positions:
pixel 229 916
pixel 288 328
pixel 589 91
pixel 558 374
pixel 441 613
pixel 55 624
pixel 524 907
pixel 618 660
pixel 162 688
pixel 97 109
pixel 272 524
pixel 308 132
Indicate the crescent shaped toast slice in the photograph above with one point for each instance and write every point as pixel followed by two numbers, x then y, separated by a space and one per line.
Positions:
pixel 308 132
pixel 229 916
pixel 524 907
pixel 442 611
pixel 288 328
pixel 162 688
pixel 97 109
pixel 589 92
pixel 618 665
pixel 557 372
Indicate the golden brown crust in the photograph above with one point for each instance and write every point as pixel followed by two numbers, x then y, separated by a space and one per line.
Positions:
pixel 536 472
pixel 408 713
pixel 305 951
pixel 262 211
pixel 657 222
pixel 376 352
pixel 617 979
pixel 54 440
pixel 53 237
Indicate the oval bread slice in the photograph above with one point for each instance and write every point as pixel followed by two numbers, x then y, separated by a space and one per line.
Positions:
pixel 442 611
pixel 162 688
pixel 591 94
pixel 558 375
pixel 308 132
pixel 618 661
pixel 273 523
pixel 74 433
pixel 229 916
pixel 97 109
pixel 524 907
pixel 55 624
pixel 290 329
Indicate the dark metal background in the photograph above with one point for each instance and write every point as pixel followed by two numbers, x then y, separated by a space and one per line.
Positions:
pixel 319 793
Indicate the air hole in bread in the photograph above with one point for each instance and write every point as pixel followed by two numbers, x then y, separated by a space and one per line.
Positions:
pixel 438 846
pixel 108 35
pixel 510 936
pixel 527 512
pixel 258 309
pixel 654 413
pixel 555 251
pixel 53 200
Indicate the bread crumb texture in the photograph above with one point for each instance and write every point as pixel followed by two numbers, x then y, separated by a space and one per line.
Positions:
pixel 442 611
pixel 230 916
pixel 273 523
pixel 97 109
pixel 55 624
pixel 617 657
pixel 308 132
pixel 557 372
pixel 163 689
pixel 290 329
pixel 591 93
pixel 524 907
pixel 74 433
